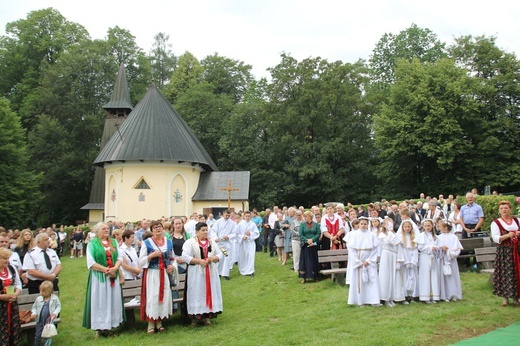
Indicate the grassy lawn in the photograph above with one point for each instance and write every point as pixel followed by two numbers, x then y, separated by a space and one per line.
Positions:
pixel 273 308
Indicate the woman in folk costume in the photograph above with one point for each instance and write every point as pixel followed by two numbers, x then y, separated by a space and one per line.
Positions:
pixel 391 287
pixel 10 289
pixel 158 261
pixel 364 283
pixel 505 232
pixel 203 293
pixel 332 229
pixel 450 246
pixel 429 264
pixel 104 301
pixel 411 259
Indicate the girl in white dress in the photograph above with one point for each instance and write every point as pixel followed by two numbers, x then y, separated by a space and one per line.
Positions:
pixel 429 264
pixel 450 246
pixel 411 258
pixel 390 263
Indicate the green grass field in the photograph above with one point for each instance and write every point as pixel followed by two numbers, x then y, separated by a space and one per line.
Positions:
pixel 273 308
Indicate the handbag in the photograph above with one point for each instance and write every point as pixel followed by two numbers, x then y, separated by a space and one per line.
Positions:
pixel 49 329
pixel 24 316
pixel 446 268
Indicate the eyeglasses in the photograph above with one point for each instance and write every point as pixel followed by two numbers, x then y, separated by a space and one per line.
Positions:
pixel 157 227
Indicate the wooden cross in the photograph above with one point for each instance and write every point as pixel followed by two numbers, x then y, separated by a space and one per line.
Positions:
pixel 229 189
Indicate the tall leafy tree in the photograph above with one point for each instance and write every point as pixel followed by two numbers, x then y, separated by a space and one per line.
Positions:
pixel 125 49
pixel 30 43
pixel 228 76
pixel 411 43
pixel 17 178
pixel 322 126
pixel 162 59
pixel 497 158
pixel 422 130
pixel 205 112
pixel 246 144
pixel 188 73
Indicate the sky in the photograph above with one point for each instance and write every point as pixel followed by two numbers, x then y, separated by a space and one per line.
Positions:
pixel 258 31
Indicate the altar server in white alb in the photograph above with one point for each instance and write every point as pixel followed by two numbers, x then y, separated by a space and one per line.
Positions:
pixel 223 232
pixel 449 244
pixel 429 264
pixel 247 233
pixel 364 283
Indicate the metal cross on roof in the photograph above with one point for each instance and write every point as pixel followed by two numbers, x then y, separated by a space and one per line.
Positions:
pixel 230 190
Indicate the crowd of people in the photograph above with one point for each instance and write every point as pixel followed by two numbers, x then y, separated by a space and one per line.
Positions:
pixel 397 253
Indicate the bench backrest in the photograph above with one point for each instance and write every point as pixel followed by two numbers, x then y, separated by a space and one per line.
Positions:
pixel 331 256
pixel 475 243
pixel 133 288
pixel 486 256
pixel 26 301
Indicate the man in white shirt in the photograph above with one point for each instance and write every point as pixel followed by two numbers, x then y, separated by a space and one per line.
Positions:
pixel 41 263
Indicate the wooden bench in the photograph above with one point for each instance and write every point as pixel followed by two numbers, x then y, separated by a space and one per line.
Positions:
pixel 132 289
pixel 471 244
pixel 334 258
pixel 25 302
pixel 486 258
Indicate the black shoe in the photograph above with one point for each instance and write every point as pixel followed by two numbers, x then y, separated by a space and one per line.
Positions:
pixel 252 275
pixel 271 254
pixel 226 277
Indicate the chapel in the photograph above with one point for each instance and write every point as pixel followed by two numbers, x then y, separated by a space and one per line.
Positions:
pixel 152 165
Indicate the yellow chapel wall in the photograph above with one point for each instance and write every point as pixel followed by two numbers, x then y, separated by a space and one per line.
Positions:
pixel 131 204
pixel 95 216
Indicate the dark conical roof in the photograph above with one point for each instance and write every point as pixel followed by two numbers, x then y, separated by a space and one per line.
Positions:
pixel 121 95
pixel 154 131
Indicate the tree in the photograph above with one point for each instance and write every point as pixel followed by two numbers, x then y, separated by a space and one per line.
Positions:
pixel 229 77
pixel 422 132
pixel 138 70
pixel 162 59
pixel 411 43
pixel 17 179
pixel 321 125
pixel 188 73
pixel 247 147
pixel 496 162
pixel 39 39
pixel 205 113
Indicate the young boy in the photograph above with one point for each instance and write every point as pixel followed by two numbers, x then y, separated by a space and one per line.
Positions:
pixel 45 306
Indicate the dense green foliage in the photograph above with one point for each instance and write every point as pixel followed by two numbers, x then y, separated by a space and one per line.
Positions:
pixel 418 116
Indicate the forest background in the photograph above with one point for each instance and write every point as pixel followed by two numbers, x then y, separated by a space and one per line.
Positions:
pixel 415 116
